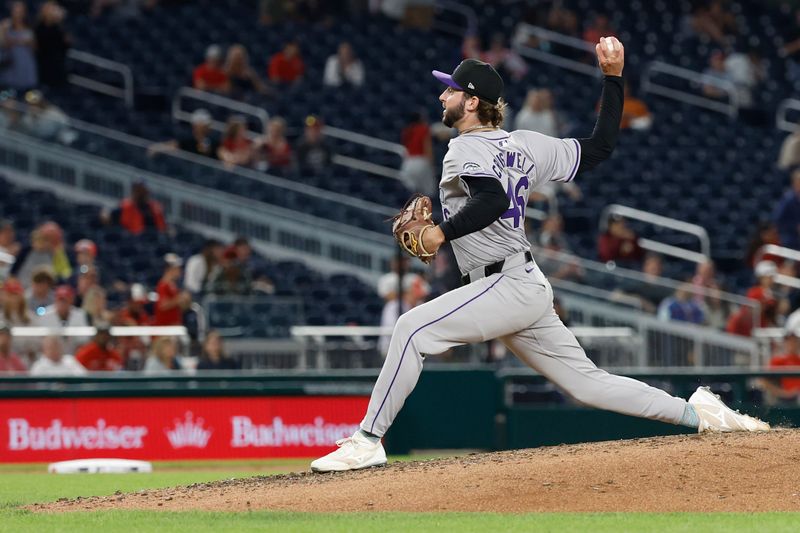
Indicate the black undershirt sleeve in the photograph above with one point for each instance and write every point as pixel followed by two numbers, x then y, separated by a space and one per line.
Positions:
pixel 599 146
pixel 488 201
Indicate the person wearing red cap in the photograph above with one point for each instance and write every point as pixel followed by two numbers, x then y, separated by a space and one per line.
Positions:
pixel 15 310
pixel 64 314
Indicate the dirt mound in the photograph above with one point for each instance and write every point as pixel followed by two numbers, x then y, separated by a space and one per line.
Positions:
pixel 738 472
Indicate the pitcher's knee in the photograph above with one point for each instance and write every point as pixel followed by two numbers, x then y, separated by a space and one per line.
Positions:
pixel 584 395
pixel 413 331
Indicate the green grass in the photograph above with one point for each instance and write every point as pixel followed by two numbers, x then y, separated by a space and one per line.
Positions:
pixel 113 521
pixel 23 484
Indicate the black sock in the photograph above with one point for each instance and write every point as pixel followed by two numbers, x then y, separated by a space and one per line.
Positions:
pixel 372 438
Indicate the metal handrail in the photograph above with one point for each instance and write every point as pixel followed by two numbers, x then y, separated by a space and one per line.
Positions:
pixel 781 122
pixel 261 177
pixel 525 31
pixel 366 140
pixel 659 67
pixel 785 253
pixel 639 277
pixel 126 93
pixel 215 99
pixel 665 222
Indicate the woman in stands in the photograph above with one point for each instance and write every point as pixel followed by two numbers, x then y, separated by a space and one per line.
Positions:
pixel 214 356
pixel 236 149
pixel 241 75
pixel 162 356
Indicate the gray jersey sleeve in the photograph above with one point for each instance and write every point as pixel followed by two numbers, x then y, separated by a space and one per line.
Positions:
pixel 555 159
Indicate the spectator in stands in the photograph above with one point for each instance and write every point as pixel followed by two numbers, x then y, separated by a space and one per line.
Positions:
pixel 505 60
pixel 314 153
pixel 287 65
pixel 539 114
pixel 54 362
pixel 45 120
pixel 552 239
pixel 210 76
pixel 343 68
pixel 214 356
pixel 230 278
pixel 201 266
pixel 790 151
pixel 787 214
pixel 711 20
pixel 17 44
pixel 40 294
pixel 764 292
pixel 747 71
pixel 682 306
pixel 241 76
pixel 52 43
pixel 716 76
pixel 562 20
pixel 46 248
pixel 64 314
pixel 133 349
pixel 162 357
pixel 788 358
pixel 15 309
pixel 10 362
pixel 172 301
pixel 417 168
pixel 134 312
pixel 98 355
pixel 600 26
pixel 8 238
pixel 95 305
pixel 139 213
pixel 251 266
pixel 415 291
pixel 84 282
pixel 619 243
pixel 273 11
pixel 236 148
pixel 704 280
pixel 199 142
pixel 766 233
pixel 275 153
pixel 649 290
pixel 635 113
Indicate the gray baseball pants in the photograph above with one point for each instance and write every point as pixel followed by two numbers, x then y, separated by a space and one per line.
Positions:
pixel 516 307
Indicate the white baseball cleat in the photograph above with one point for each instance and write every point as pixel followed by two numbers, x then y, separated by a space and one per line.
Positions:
pixel 718 417
pixel 354 453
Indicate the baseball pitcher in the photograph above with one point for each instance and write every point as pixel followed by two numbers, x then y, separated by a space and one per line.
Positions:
pixel 487 176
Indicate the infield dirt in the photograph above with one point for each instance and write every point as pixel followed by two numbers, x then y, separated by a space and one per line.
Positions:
pixel 735 472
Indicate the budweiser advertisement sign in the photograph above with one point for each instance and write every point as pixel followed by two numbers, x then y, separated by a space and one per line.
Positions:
pixel 175 428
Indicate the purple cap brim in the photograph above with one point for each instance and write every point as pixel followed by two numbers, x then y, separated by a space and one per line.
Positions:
pixel 445 78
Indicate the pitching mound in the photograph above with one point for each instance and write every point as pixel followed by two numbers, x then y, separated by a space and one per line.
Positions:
pixel 739 472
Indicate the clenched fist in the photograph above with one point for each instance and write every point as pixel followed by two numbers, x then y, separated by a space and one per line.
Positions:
pixel 610 56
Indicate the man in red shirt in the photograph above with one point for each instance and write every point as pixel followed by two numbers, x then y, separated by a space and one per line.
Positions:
pixel 139 212
pixel 97 355
pixel 286 66
pixel 417 169
pixel 619 243
pixel 9 361
pixel 172 301
pixel 210 76
pixel 787 359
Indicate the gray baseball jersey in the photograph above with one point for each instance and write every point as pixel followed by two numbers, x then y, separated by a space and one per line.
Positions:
pixel 521 161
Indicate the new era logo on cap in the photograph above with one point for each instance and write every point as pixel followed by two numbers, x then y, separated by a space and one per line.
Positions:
pixel 476 78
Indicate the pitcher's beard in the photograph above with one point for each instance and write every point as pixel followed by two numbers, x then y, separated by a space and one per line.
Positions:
pixel 451 116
